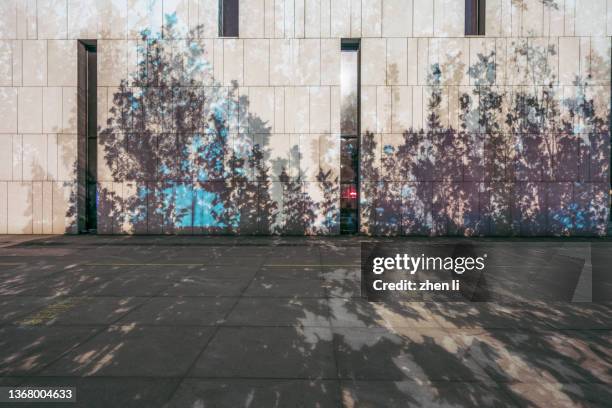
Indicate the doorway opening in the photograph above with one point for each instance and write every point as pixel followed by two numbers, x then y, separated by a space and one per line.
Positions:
pixel 87 136
pixel 350 130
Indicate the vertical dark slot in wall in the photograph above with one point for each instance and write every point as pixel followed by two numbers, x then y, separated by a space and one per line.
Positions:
pixel 350 130
pixel 475 17
pixel 87 136
pixel 228 18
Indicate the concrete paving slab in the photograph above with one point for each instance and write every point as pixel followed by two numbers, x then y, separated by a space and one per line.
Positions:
pixel 280 312
pixel 256 393
pixel 175 311
pixel 268 352
pixel 134 351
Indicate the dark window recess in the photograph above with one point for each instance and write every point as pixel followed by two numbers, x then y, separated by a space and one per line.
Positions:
pixel 87 205
pixel 349 146
pixel 475 11
pixel 228 18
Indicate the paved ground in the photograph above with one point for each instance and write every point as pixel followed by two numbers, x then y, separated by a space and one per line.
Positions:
pixel 270 322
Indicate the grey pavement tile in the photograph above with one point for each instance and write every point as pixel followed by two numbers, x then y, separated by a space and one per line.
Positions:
pixel 355 313
pixel 133 283
pixel 582 316
pixel 521 356
pixel 25 350
pixel 84 310
pixel 288 272
pixel 343 288
pixel 194 285
pixel 413 354
pixel 400 394
pixel 546 394
pixel 341 273
pixel 255 393
pixel 268 352
pixel 265 287
pixel 62 284
pixel 173 311
pixel 134 351
pixel 280 312
pixel 92 392
pixel 486 315
pixel 15 307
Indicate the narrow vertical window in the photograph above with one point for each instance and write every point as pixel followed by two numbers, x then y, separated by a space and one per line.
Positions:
pixel 87 136
pixel 228 18
pixel 349 148
pixel 475 11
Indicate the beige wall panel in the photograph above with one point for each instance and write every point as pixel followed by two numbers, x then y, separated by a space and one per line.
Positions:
pixel 397 61
pixel 233 61
pixel 69 110
pixel 66 157
pixel 330 62
pixel 256 62
pixel 368 109
pixel 300 15
pixel 30 110
pixel 208 12
pixel 6 157
pixel 279 110
pixel 63 208
pixel 401 115
pixel 19 207
pixel 3 207
pixel 383 109
pixel 112 62
pixel 37 207
pixel 34 160
pixel 309 157
pixel 17 154
pixel 27 24
pixel 312 16
pixel 6 62
pixel 449 18
pixel 397 18
pixel 8 110
pixel 591 17
pixel 62 63
pixel 371 18
pixel 320 100
pixel 289 14
pixel 279 18
pixel 252 15
pixel 262 108
pixel 570 17
pixel 373 61
pixel 600 60
pixel 493 17
pixel 308 67
pixel 52 19
pixel 423 18
pixel 356 24
pixel 8 19
pixel 112 19
pixel 52 109
pixel 35 63
pixel 52 158
pixel 47 207
pixel 302 115
pixel 143 15
pixel 83 19
pixel 281 62
pixel 533 18
pixel 341 18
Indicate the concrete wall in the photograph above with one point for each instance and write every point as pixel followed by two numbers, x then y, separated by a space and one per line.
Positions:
pixel 496 135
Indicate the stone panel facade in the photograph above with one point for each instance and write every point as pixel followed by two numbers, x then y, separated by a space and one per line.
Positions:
pixel 504 134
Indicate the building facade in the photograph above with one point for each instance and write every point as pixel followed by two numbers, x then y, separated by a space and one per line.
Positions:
pixel 305 117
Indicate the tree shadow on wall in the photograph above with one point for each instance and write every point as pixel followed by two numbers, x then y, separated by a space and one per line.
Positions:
pixel 523 161
pixel 185 154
